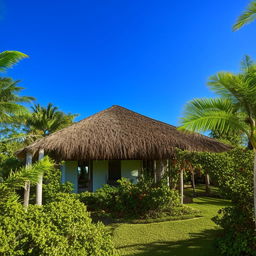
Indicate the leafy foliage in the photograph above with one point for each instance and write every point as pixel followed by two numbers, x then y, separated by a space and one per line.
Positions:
pixel 236 182
pixel 233 173
pixel 234 138
pixel 11 109
pixel 62 227
pixel 52 185
pixel 8 160
pixel 131 200
pixel 16 179
pixel 248 16
pixel 9 58
pixel 235 109
pixel 45 120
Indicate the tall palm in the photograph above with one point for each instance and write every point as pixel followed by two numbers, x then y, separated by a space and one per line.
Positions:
pixel 234 109
pixel 10 101
pixel 46 120
pixel 30 173
pixel 9 58
pixel 248 16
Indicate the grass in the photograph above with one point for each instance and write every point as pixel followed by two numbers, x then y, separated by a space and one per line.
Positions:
pixel 193 237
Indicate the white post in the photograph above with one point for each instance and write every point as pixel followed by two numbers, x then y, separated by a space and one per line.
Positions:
pixel 27 183
pixel 39 185
pixel 155 176
pixel 181 186
pixel 207 183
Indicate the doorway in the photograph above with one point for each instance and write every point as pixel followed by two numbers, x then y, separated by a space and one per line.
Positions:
pixel 84 175
pixel 114 172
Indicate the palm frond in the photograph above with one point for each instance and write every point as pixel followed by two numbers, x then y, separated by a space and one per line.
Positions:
pixel 9 58
pixel 248 16
pixel 48 119
pixel 29 173
pixel 246 63
pixel 240 88
pixel 212 114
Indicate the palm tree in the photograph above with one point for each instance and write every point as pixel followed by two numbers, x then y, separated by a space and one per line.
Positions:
pixel 233 111
pixel 30 174
pixel 10 106
pixel 46 120
pixel 9 58
pixel 10 101
pixel 248 16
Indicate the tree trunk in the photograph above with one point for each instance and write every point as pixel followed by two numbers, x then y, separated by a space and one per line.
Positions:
pixel 155 178
pixel 39 185
pixel 27 183
pixel 181 186
pixel 160 169
pixel 254 185
pixel 26 194
pixel 207 183
pixel 193 182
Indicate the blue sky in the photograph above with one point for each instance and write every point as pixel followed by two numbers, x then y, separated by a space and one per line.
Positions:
pixel 149 56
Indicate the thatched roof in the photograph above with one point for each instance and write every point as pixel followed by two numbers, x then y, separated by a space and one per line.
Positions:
pixel 119 133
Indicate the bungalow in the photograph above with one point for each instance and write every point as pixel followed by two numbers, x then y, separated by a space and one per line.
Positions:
pixel 115 143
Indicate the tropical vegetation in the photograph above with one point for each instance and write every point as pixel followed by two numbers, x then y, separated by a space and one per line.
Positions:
pixel 71 224
pixel 46 120
pixel 248 16
pixel 233 111
pixel 144 200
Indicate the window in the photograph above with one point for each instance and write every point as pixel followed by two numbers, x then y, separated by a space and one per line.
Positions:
pixel 114 171
pixel 84 176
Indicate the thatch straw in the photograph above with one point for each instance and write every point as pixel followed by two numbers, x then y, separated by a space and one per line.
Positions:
pixel 119 133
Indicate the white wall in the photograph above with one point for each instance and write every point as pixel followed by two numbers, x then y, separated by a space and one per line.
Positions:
pixel 69 173
pixel 100 173
pixel 130 169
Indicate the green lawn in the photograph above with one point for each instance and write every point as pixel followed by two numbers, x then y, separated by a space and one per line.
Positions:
pixel 193 237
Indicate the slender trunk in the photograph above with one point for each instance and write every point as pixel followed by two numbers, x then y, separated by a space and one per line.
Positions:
pixel 193 182
pixel 254 186
pixel 207 183
pixel 39 190
pixel 26 194
pixel 160 170
pixel 155 176
pixel 27 183
pixel 39 185
pixel 181 186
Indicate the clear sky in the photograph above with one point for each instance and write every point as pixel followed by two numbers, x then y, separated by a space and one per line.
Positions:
pixel 149 56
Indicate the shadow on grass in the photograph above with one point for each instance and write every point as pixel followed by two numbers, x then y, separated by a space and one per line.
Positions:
pixel 200 244
pixel 213 201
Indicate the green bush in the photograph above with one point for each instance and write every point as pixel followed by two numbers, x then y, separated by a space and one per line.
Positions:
pixel 52 185
pixel 236 182
pixel 131 200
pixel 62 227
pixel 233 173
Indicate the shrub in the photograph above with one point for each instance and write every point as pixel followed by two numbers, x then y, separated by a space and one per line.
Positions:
pixel 52 185
pixel 234 174
pixel 63 228
pixel 131 200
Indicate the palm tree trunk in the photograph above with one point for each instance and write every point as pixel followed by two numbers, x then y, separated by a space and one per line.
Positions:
pixel 160 169
pixel 181 186
pixel 207 183
pixel 193 182
pixel 27 183
pixel 39 185
pixel 26 194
